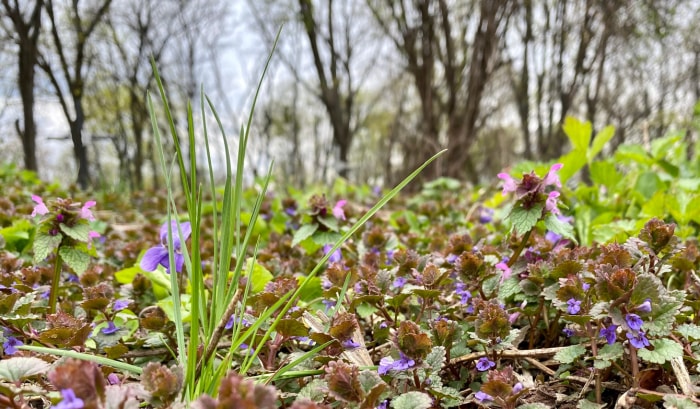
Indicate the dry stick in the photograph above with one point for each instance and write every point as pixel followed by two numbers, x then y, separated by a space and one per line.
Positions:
pixel 216 336
pixel 510 353
pixel 579 379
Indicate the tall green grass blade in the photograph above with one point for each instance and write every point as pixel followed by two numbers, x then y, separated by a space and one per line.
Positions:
pixel 85 357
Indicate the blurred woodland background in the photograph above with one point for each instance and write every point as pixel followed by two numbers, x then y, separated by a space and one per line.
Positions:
pixel 363 89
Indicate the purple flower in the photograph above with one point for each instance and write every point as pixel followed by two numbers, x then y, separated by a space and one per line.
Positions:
pixel 634 321
pixel 585 286
pixel 485 215
pixel 389 257
pixel 552 237
pixel 232 320
pixel 350 344
pixel 638 340
pixel 399 282
pixel 503 266
pixel 110 328
pixel 645 307
pixel 85 211
pixel 451 258
pixel 328 303
pixel 40 207
pixel 383 404
pixel 387 364
pixel 508 183
pixel 113 379
pixel 551 203
pixel 551 178
pixel 338 212
pixel 484 364
pixel 383 324
pixel 517 387
pixel 70 401
pixel 335 257
pixel 120 304
pixel 158 255
pixel 465 295
pixel 610 333
pixel 10 345
pixel 573 306
pixel 92 235
pixel 482 396
pixel 568 332
pixel 291 211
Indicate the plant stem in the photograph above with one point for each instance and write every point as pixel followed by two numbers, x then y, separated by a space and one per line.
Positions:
pixel 216 336
pixel 635 366
pixel 594 350
pixel 53 296
pixel 520 249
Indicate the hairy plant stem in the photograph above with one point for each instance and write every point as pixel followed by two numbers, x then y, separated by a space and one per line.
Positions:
pixel 53 296
pixel 594 350
pixel 635 366
pixel 216 336
pixel 520 249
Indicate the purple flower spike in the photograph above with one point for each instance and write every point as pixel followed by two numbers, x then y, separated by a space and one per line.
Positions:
pixel 120 304
pixel 10 345
pixel 574 306
pixel 634 321
pixel 70 401
pixel 552 178
pixel 85 211
pixel 484 364
pixel 387 364
pixel 645 307
pixel 610 334
pixel 338 211
pixel 551 203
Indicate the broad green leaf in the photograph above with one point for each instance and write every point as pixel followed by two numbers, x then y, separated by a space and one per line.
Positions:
pixel 45 244
pixel 368 380
pixel 661 147
pixel 127 275
pixel 664 350
pixel 525 219
pixel 570 354
pixel 509 288
pixel 604 173
pixel 260 275
pixel 19 368
pixel 663 313
pixel 412 400
pixel 648 183
pixel 689 331
pixel 75 258
pixel 303 233
pixel 325 237
pixel 608 353
pixel 655 206
pixel 573 162
pixel 564 229
pixel 678 402
pixel 292 328
pixel 314 390
pixel 436 358
pixel 17 235
pixel 633 153
pixel 599 141
pixel 579 133
pixel 330 222
pixel 78 232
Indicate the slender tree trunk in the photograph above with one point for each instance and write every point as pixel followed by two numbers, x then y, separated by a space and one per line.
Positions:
pixel 79 150
pixel 27 64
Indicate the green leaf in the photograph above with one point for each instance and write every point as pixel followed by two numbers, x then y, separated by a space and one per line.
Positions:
pixel 19 368
pixel 525 219
pixel 690 332
pixel 260 275
pixel 664 350
pixel 599 141
pixel 75 258
pixel 330 222
pixel 608 353
pixel 44 244
pixel 436 359
pixel 292 328
pixel 564 229
pixel 368 380
pixel 17 236
pixel 573 162
pixel 649 183
pixel 579 133
pixel 412 400
pixel 569 354
pixel 533 406
pixel 663 313
pixel 303 233
pixel 677 402
pixel 78 232
pixel 604 173
pixel 586 404
pixel 314 390
pixel 127 275
pixel 325 237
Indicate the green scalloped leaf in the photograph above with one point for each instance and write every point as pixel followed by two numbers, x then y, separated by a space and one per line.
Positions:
pixel 525 219
pixel 78 232
pixel 664 350
pixel 564 229
pixel 677 402
pixel 44 244
pixel 570 354
pixel 689 331
pixel 18 368
pixel 304 233
pixel 76 259
pixel 412 400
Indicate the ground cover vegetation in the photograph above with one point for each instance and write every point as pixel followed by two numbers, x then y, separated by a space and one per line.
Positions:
pixel 565 284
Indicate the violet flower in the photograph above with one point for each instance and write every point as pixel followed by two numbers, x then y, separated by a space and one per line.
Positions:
pixel 503 266
pixel 120 304
pixel 638 340
pixel 387 364
pixel 110 328
pixel 399 282
pixel 158 255
pixel 350 344
pixel 70 401
pixel 484 364
pixel 610 333
pixel 509 184
pixel 464 294
pixel 645 307
pixel 552 178
pixel 85 211
pixel 335 257
pixel 482 396
pixel 10 345
pixel 551 203
pixel 568 332
pixel 634 321
pixel 574 306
